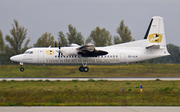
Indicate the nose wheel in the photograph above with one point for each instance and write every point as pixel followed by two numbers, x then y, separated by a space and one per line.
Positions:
pixel 21 69
pixel 83 69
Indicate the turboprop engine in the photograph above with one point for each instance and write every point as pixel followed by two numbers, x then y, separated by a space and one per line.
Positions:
pixel 87 50
pixel 68 51
pixel 88 47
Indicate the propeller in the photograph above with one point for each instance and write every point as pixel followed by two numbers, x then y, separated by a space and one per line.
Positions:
pixel 59 45
pixel 59 49
pixel 55 44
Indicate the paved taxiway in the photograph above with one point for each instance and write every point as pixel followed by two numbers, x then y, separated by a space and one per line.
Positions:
pixel 90 109
pixel 102 78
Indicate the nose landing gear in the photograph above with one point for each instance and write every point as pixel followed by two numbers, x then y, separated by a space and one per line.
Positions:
pixel 21 69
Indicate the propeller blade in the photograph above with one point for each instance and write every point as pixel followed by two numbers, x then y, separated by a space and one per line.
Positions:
pixel 59 55
pixel 59 46
pixel 55 44
pixel 59 49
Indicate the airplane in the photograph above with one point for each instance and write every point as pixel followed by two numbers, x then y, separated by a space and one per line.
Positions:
pixel 152 46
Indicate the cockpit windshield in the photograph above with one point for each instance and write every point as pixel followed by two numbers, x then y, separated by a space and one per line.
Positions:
pixel 28 52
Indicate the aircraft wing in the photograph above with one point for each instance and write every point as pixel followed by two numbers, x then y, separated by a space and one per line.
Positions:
pixel 89 50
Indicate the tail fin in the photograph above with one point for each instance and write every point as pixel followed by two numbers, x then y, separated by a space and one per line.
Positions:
pixel 155 36
pixel 155 33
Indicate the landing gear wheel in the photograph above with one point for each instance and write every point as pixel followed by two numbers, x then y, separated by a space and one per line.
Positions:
pixel 81 69
pixel 22 69
pixel 86 69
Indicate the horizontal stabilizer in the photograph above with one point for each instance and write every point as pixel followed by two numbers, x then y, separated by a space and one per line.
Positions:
pixel 153 47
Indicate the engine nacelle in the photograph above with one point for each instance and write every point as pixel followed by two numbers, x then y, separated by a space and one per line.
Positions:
pixel 68 51
pixel 88 47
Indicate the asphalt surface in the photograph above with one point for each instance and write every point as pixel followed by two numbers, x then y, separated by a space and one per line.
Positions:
pixel 90 109
pixel 101 78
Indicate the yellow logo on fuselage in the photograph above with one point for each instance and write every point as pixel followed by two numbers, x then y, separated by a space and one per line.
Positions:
pixel 49 52
pixel 155 38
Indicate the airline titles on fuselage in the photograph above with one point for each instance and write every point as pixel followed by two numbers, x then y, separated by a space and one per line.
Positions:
pixel 90 60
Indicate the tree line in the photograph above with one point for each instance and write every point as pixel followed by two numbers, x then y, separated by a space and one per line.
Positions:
pixel 18 41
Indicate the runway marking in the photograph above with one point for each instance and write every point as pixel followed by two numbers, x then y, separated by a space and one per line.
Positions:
pixel 91 109
pixel 94 78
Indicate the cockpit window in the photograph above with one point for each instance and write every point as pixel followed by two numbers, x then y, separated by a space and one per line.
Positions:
pixel 28 52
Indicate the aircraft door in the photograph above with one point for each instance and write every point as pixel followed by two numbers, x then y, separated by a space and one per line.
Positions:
pixel 41 56
pixel 122 57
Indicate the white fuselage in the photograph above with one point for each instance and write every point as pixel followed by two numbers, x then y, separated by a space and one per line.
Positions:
pixel 152 46
pixel 116 55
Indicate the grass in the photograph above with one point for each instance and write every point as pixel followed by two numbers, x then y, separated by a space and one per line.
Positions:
pixel 89 93
pixel 130 70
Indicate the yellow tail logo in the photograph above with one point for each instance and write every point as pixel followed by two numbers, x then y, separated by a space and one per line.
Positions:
pixel 155 38
pixel 49 52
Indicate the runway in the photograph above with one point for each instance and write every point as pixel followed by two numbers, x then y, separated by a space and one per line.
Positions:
pixel 95 78
pixel 90 109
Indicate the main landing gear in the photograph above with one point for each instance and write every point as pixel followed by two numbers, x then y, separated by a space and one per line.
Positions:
pixel 84 67
pixel 21 69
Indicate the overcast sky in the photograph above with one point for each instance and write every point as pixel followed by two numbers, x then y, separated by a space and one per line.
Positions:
pixel 40 16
